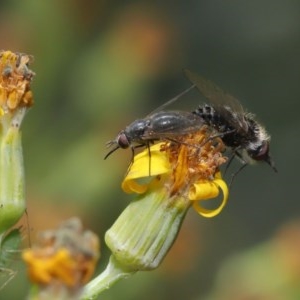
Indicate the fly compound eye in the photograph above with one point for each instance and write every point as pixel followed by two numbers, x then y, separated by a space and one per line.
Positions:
pixel 123 141
pixel 262 152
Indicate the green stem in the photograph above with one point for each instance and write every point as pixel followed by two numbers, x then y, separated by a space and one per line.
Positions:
pixel 113 273
pixel 12 194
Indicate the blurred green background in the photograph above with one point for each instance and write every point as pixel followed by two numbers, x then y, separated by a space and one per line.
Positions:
pixel 102 64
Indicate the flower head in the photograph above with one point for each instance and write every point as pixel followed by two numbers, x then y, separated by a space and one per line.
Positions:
pixel 183 173
pixel 64 259
pixel 188 168
pixel 15 78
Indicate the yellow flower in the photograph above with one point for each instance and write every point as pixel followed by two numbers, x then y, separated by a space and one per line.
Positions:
pixel 65 258
pixel 189 168
pixel 44 267
pixel 183 174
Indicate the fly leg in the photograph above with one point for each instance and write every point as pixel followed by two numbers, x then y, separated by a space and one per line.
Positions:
pixel 183 143
pixel 132 156
pixel 218 135
pixel 244 164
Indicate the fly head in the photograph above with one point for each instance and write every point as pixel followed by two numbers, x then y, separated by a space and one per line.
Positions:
pixel 121 141
pixel 261 153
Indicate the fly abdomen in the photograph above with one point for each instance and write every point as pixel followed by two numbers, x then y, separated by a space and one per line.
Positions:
pixel 230 136
pixel 213 119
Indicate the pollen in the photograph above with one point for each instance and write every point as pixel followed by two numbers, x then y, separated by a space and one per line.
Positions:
pixel 15 79
pixel 194 157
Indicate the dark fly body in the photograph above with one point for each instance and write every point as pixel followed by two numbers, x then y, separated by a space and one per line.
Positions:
pixel 159 125
pixel 238 129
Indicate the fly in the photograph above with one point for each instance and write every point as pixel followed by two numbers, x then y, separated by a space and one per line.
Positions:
pixel 158 125
pixel 238 129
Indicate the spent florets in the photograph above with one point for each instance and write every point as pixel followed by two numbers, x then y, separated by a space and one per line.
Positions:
pixel 65 257
pixel 194 157
pixel 15 79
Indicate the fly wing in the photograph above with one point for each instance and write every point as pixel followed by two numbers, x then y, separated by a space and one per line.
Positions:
pixel 169 124
pixel 224 104
pixel 169 102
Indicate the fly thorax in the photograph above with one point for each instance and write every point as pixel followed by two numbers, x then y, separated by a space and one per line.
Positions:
pixel 136 130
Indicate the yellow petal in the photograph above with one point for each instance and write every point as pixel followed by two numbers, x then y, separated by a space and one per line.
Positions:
pixel 208 190
pixel 131 186
pixel 203 191
pixel 144 166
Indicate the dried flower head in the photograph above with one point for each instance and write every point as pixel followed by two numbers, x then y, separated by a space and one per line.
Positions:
pixel 15 79
pixel 63 259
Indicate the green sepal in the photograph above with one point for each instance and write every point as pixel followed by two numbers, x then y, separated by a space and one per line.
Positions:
pixel 145 231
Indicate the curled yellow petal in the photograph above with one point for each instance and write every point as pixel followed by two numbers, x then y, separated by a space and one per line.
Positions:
pixel 203 191
pixel 145 165
pixel 132 186
pixel 208 190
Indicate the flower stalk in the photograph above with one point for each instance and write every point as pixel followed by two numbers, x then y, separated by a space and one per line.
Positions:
pixel 112 274
pixel 12 194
